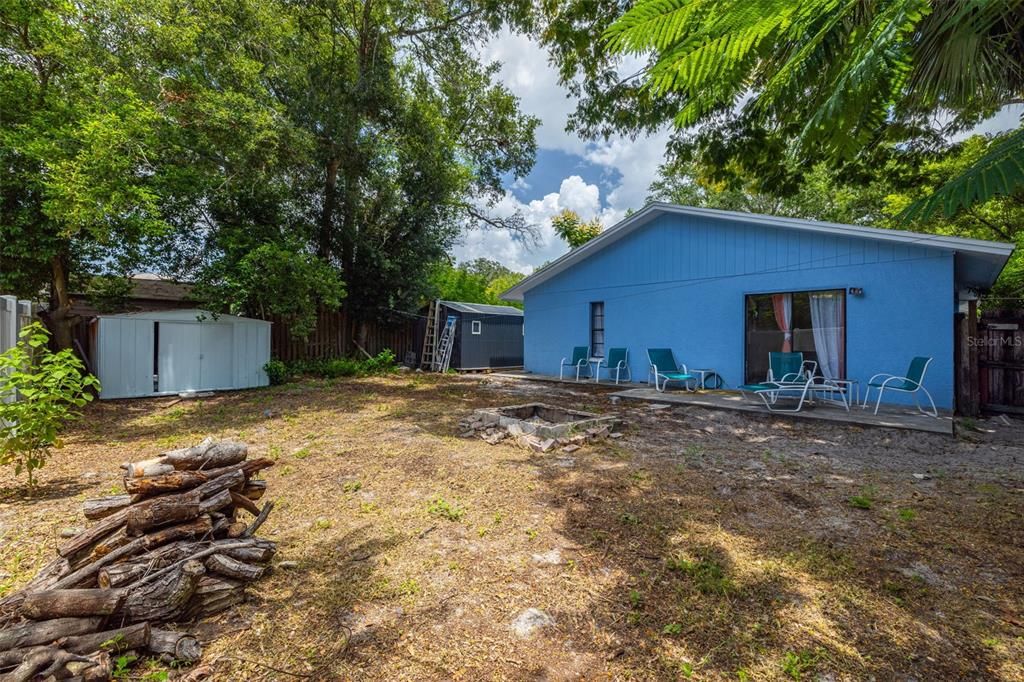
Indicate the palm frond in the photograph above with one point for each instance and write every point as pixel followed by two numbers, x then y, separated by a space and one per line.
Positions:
pixel 999 172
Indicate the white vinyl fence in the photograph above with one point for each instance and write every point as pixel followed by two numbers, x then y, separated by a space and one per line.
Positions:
pixel 14 315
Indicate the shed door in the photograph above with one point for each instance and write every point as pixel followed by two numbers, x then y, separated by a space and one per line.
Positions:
pixel 124 357
pixel 216 347
pixel 178 356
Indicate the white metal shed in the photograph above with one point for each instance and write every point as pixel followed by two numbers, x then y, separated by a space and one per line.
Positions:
pixel 170 351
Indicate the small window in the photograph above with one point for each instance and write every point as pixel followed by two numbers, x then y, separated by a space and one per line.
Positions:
pixel 597 329
pixel 476 326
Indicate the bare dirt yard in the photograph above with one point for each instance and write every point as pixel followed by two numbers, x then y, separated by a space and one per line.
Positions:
pixel 702 544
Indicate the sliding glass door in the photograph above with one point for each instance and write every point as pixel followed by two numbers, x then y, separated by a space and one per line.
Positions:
pixel 808 322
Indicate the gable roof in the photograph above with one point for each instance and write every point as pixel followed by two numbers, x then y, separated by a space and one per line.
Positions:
pixel 482 308
pixel 979 262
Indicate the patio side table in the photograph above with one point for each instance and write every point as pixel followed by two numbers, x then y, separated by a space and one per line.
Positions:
pixel 704 374
pixel 849 386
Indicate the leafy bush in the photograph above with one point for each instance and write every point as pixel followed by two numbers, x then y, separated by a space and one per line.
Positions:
pixel 276 371
pixel 49 387
pixel 280 372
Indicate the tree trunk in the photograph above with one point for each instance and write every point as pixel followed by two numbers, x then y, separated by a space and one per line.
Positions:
pixel 60 302
pixel 325 246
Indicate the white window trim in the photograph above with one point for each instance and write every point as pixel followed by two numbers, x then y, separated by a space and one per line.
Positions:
pixel 476 327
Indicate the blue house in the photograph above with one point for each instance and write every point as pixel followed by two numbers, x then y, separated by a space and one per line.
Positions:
pixel 723 288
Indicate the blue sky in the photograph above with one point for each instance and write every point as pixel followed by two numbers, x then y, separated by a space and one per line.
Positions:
pixel 554 165
pixel 598 179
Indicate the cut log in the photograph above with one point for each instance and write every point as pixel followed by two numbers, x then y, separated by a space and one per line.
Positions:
pixel 254 490
pixel 115 641
pixel 101 507
pixel 46 662
pixel 231 479
pixel 180 645
pixel 162 511
pixel 31 634
pixel 101 669
pixel 122 574
pixel 206 455
pixel 245 503
pixel 258 552
pixel 215 594
pixel 236 529
pixel 233 568
pixel 165 598
pixel 119 538
pixel 198 527
pixel 259 521
pixel 91 535
pixel 128 571
pixel 216 501
pixel 182 480
pixel 47 604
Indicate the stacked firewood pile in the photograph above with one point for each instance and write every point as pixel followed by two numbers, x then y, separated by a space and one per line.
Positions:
pixel 175 548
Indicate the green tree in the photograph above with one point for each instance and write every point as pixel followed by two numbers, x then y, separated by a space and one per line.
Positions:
pixel 573 229
pixel 40 391
pixel 837 77
pixel 876 195
pixel 76 185
pixel 478 281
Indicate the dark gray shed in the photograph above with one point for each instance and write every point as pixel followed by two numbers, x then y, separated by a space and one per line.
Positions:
pixel 487 336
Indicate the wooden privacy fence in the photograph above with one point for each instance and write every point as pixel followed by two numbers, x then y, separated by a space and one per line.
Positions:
pixel 1000 342
pixel 335 336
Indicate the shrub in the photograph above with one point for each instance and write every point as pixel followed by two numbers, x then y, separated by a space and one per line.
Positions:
pixel 332 368
pixel 49 388
pixel 276 371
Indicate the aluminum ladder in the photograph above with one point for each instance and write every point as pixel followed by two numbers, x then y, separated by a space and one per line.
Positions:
pixel 444 346
pixel 430 336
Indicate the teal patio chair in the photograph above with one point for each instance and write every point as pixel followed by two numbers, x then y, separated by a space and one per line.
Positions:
pixel 580 360
pixel 911 383
pixel 787 367
pixel 664 368
pixel 616 361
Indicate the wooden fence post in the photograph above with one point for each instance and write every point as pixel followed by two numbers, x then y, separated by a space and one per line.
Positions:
pixel 968 403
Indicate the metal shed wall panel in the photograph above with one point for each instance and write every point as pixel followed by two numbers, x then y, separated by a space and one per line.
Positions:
pixel 196 352
pixel 125 357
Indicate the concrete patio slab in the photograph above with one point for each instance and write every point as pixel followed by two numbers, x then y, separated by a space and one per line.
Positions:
pixel 888 417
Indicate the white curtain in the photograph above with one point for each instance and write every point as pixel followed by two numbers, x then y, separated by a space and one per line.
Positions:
pixel 827 325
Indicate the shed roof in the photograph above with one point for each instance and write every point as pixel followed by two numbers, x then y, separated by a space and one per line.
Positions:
pixel 482 308
pixel 185 315
pixel 978 263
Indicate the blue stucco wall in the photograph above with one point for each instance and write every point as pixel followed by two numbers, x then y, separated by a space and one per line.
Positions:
pixel 680 282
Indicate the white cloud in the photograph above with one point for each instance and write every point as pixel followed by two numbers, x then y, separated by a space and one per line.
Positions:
pixel 527 72
pixel 574 194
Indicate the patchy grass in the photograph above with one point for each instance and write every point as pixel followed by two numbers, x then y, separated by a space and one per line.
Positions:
pixel 702 545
